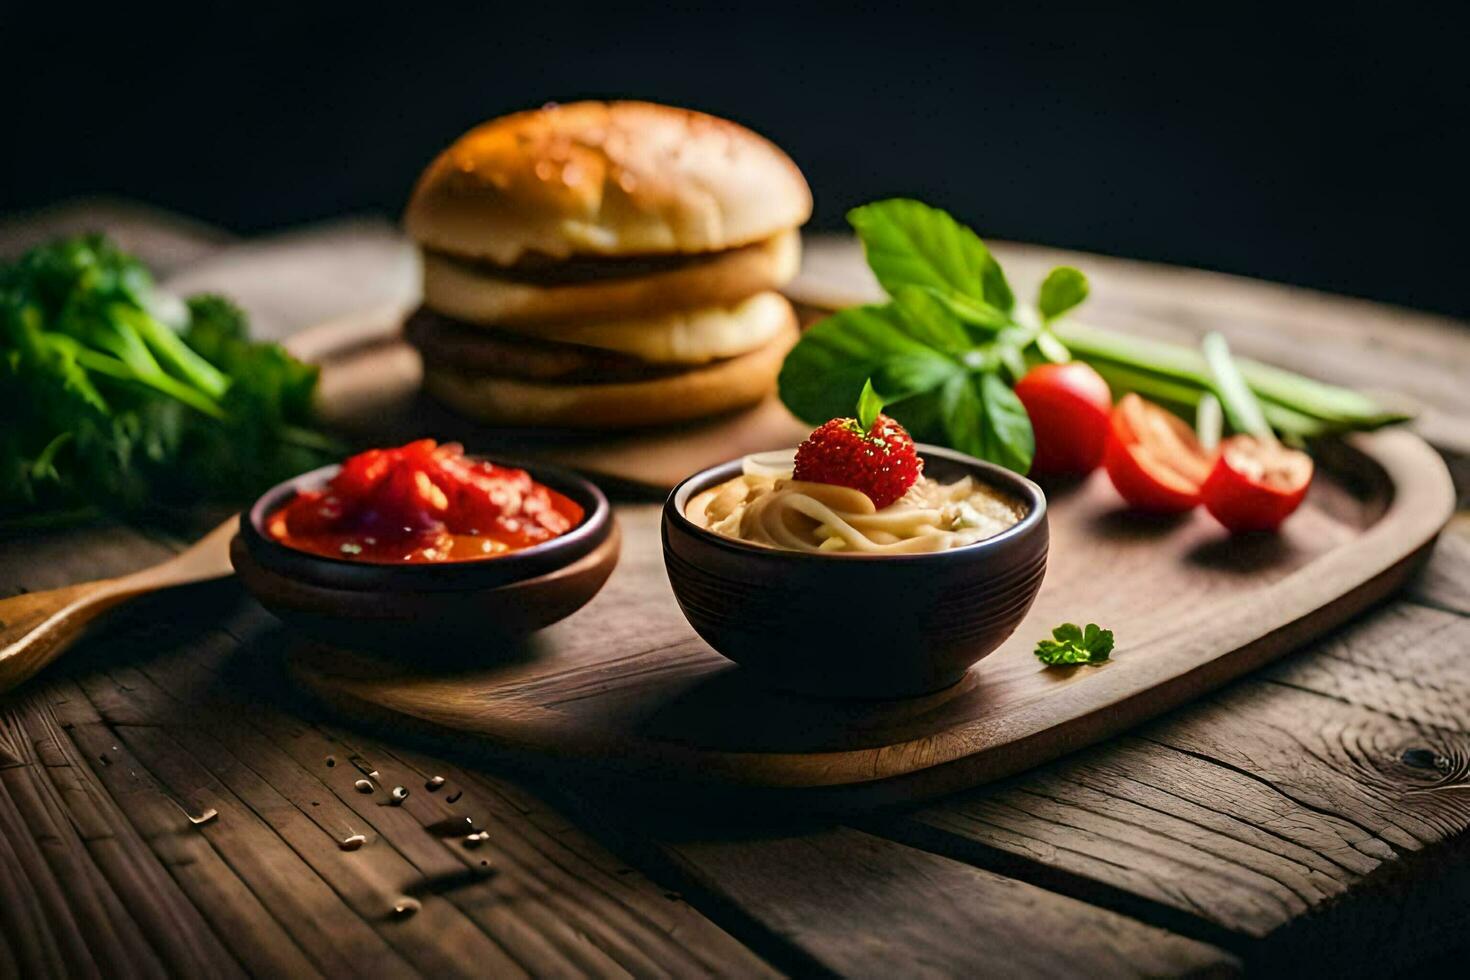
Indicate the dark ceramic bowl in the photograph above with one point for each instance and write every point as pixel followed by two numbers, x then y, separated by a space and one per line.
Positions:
pixel 872 626
pixel 399 607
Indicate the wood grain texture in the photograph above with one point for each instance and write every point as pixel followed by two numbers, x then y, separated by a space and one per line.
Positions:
pixel 623 683
pixel 862 906
pixel 128 872
pixel 38 627
pixel 1445 582
pixel 1245 818
pixel 1293 813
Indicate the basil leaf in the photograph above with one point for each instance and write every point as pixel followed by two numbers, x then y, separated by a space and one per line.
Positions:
pixel 997 290
pixel 922 415
pixel 908 243
pixel 912 374
pixel 983 358
pixel 1051 348
pixel 827 368
pixel 983 417
pixel 1063 288
pixel 931 320
pixel 1014 360
pixel 936 319
pixel 1010 441
pixel 868 407
pixel 963 415
pixel 973 312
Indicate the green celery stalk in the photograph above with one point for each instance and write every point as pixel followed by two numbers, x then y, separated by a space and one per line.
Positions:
pixel 1301 396
pixel 171 348
pixel 1155 387
pixel 112 367
pixel 1235 395
pixel 1184 399
pixel 1171 373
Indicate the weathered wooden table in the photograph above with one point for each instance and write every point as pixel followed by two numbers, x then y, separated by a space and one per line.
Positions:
pixel 169 805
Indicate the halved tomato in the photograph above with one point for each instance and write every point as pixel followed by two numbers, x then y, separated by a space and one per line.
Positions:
pixel 1153 458
pixel 1255 484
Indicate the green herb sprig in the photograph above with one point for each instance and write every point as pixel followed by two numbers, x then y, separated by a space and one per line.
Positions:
pixel 107 406
pixel 945 350
pixel 1071 644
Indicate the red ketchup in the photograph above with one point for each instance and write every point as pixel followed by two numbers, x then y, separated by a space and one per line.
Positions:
pixel 423 502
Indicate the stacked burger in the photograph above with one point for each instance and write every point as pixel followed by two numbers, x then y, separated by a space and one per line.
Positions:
pixel 605 265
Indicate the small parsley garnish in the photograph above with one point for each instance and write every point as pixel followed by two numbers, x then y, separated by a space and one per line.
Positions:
pixel 1071 644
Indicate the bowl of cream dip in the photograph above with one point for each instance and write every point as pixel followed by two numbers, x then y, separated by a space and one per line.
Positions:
pixel 814 589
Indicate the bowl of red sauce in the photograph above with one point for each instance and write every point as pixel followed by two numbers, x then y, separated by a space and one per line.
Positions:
pixel 421 542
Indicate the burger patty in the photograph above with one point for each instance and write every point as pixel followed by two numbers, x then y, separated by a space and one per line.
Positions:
pixel 542 270
pixel 471 349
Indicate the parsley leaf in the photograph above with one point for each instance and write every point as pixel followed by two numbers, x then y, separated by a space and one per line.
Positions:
pixel 1071 644
pixel 107 404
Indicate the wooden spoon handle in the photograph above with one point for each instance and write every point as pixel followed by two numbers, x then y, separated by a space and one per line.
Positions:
pixel 35 627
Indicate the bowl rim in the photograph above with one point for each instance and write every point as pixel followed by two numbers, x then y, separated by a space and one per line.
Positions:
pixel 490 572
pixel 997 476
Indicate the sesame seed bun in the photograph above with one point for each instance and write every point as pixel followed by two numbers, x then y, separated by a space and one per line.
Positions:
pixel 608 179
pixel 477 293
pixel 720 387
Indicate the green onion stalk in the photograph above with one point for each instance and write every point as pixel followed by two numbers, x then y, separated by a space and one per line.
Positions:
pixel 1179 377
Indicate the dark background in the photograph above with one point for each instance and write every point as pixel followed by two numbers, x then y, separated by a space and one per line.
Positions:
pixel 1317 146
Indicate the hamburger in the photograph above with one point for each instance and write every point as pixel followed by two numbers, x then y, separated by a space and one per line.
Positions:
pixel 605 265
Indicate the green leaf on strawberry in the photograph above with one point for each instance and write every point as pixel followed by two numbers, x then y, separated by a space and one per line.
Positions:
pixel 868 407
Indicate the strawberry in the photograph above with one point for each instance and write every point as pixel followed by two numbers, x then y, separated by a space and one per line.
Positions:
pixel 881 461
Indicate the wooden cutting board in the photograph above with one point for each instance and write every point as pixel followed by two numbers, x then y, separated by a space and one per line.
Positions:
pixel 625 687
pixel 625 683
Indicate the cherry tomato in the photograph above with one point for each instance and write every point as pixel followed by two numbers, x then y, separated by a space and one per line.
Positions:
pixel 1153 458
pixel 1255 485
pixel 1068 405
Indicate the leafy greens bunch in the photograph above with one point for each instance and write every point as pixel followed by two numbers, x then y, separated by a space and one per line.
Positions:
pixel 945 351
pixel 111 400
